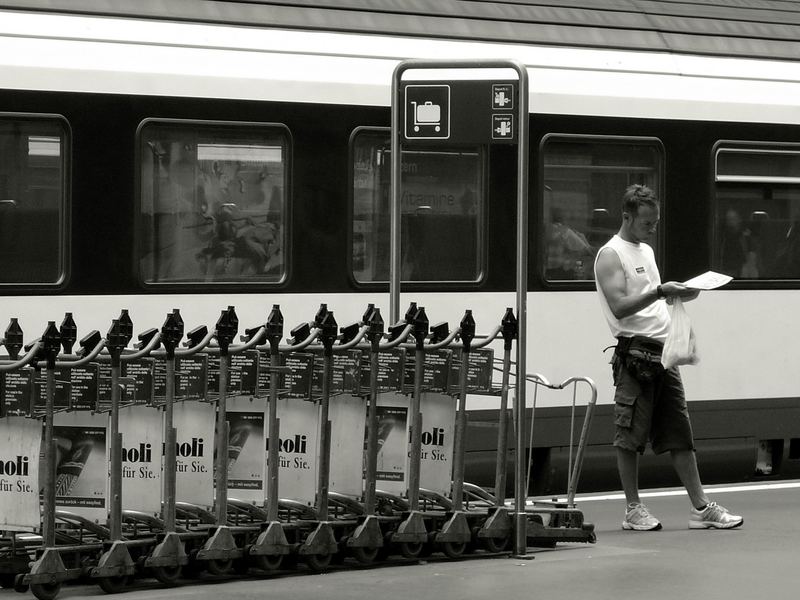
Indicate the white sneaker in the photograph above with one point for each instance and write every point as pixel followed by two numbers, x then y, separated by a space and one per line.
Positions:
pixel 638 518
pixel 713 516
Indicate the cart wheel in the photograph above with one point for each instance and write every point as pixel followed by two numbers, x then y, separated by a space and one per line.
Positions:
pixel 192 569
pixel 167 575
pixel 495 544
pixel 19 585
pixel 112 585
pixel 241 566
pixel 365 556
pixel 269 562
pixel 318 562
pixel 290 561
pixel 384 552
pixel 410 549
pixel 453 549
pixel 219 566
pixel 7 580
pixel 46 591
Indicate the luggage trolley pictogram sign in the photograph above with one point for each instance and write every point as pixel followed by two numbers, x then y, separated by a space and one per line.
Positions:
pixel 427 114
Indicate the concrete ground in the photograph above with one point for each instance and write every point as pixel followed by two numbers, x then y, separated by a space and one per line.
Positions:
pixel 759 559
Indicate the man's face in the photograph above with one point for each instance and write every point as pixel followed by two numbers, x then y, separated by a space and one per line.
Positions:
pixel 643 223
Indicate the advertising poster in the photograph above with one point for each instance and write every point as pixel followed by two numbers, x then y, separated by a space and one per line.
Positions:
pixel 347 415
pixel 82 472
pixel 438 436
pixel 392 443
pixel 245 458
pixel 141 428
pixel 298 444
pixel 20 444
pixel 194 479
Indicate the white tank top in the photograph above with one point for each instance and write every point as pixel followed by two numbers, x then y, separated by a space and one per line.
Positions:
pixel 641 276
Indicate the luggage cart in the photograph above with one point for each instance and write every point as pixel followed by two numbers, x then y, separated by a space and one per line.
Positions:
pixel 551 522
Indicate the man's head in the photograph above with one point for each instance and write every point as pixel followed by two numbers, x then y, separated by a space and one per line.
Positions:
pixel 640 214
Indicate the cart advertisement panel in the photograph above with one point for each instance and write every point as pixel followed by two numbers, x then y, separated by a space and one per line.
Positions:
pixel 82 470
pixel 392 443
pixel 20 440
pixel 347 415
pixel 245 458
pixel 438 435
pixel 298 445
pixel 194 479
pixel 141 428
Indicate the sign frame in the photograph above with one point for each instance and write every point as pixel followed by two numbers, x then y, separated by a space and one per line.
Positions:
pixel 522 119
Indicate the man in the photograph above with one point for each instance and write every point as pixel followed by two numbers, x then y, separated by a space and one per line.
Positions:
pixel 649 401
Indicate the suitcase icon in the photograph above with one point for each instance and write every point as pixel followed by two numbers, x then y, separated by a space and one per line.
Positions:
pixel 427 114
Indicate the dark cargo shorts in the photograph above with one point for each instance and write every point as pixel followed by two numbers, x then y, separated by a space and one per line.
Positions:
pixel 654 411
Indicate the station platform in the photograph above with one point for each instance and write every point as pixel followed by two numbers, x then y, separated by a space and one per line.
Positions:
pixel 756 560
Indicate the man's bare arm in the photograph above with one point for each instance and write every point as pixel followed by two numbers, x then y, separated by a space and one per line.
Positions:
pixel 611 279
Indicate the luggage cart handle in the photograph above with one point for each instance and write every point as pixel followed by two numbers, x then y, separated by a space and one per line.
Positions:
pixel 302 345
pixel 398 340
pixel 574 469
pixel 194 349
pixel 25 360
pixel 362 332
pixel 437 345
pixel 488 339
pixel 251 343
pixel 151 345
pixel 79 362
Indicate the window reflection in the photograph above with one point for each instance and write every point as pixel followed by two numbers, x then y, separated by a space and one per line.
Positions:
pixel 757 212
pixel 213 203
pixel 32 201
pixel 584 179
pixel 441 210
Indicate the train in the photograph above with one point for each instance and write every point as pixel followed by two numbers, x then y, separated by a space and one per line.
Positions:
pixel 203 155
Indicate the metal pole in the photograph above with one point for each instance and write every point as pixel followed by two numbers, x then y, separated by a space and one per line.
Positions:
pixel 222 441
pixel 170 439
pixel 323 475
pixel 502 434
pixel 461 431
pixel 49 522
pixel 416 430
pixel 395 263
pixel 273 455
pixel 521 543
pixel 372 434
pixel 115 516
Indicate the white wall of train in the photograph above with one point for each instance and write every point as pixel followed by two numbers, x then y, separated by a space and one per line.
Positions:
pixel 747 339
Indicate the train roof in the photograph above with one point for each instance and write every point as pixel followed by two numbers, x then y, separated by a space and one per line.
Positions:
pixel 739 28
pixel 723 60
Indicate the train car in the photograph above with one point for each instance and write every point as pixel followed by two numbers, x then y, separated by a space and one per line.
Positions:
pixel 199 155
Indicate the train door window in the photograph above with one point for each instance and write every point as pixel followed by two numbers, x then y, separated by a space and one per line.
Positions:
pixel 33 200
pixel 757 208
pixel 584 178
pixel 442 206
pixel 212 202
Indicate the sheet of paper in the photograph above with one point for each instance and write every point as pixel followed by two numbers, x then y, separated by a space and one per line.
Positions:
pixel 708 281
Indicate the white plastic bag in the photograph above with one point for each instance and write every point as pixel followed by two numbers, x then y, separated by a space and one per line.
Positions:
pixel 681 346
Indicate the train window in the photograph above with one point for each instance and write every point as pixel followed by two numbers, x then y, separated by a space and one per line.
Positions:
pixel 584 178
pixel 33 200
pixel 212 202
pixel 442 206
pixel 757 207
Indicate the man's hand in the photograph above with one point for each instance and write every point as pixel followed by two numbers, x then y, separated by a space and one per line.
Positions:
pixel 675 289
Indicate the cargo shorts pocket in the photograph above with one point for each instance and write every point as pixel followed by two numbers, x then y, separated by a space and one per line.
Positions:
pixel 624 406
